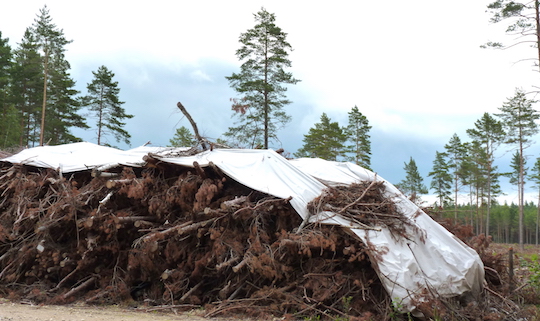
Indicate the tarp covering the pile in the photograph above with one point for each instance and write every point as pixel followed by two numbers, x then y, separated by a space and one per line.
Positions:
pixel 431 260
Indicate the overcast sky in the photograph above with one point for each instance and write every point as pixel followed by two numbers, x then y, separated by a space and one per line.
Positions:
pixel 415 68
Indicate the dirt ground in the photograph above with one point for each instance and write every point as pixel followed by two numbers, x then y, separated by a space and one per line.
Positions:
pixel 26 312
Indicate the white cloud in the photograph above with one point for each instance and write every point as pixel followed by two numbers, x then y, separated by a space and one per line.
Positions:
pixel 200 75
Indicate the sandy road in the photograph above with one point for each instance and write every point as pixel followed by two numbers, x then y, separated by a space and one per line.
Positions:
pixel 24 312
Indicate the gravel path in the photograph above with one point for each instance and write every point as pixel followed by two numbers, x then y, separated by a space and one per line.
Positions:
pixel 24 312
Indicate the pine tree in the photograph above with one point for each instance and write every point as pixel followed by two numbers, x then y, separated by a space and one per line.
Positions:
pixel 441 180
pixel 413 184
pixel 9 130
pixel 490 134
pixel 456 153
pixel 182 138
pixel 106 107
pixel 523 22
pixel 357 134
pixel 535 178
pixel 58 87
pixel 325 140
pixel 64 105
pixel 470 173
pixel 519 119
pixel 261 82
pixel 27 89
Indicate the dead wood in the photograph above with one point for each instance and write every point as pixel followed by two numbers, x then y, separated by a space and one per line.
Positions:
pixel 193 124
pixel 131 219
pixel 118 182
pixel 83 286
pixel 172 234
pixel 168 307
pixel 190 292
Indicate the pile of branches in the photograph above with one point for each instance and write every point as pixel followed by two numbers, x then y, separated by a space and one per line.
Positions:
pixel 167 236
pixel 366 205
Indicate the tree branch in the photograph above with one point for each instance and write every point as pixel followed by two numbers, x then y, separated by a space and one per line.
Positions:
pixel 195 129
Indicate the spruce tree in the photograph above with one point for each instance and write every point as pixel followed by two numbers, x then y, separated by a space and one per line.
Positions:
pixel 105 106
pixel 182 138
pixel 413 184
pixel 325 140
pixel 441 180
pixel 357 135
pixel 261 82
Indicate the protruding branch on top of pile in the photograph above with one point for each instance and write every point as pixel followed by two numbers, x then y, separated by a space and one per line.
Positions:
pixel 193 124
pixel 361 196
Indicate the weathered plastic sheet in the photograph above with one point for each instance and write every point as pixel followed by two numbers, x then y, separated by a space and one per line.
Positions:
pixel 262 170
pixel 81 156
pixel 431 260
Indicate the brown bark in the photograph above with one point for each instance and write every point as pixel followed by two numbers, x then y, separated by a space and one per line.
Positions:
pixel 193 124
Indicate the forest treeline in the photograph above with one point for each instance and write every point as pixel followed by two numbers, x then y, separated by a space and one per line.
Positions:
pixel 38 101
pixel 39 105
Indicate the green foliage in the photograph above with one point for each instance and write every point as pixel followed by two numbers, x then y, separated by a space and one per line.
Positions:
pixel 182 138
pixel 456 152
pixel 534 268
pixel 519 118
pixel 412 185
pixel 9 131
pixel 105 106
pixel 534 176
pixel 395 312
pixel 260 82
pixel 357 135
pixel 489 133
pixel 503 9
pixel 515 166
pixel 520 18
pixel 63 110
pixel 441 181
pixel 59 107
pixel 325 140
pixel 27 89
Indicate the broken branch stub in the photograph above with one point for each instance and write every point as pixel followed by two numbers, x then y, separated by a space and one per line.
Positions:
pixel 193 124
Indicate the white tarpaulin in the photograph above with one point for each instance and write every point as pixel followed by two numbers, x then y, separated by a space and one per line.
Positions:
pixel 432 260
pixel 79 156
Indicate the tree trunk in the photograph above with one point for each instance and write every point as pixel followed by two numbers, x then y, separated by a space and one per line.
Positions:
pixel 45 74
pixel 488 212
pixel 266 103
pixel 455 196
pixel 100 117
pixel 537 18
pixel 537 215
pixel 520 196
